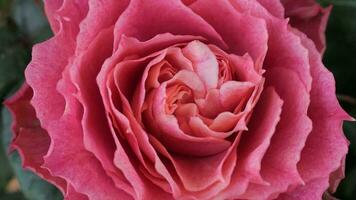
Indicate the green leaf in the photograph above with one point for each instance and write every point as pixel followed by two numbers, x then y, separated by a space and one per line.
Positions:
pixel 30 19
pixel 349 3
pixel 347 188
pixel 12 196
pixel 13 59
pixel 4 7
pixel 350 132
pixel 6 171
pixel 33 187
pixel 341 47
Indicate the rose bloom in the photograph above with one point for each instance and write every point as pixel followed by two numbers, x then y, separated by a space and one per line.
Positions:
pixel 193 100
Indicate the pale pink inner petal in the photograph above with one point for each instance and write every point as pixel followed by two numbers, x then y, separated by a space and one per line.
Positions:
pixel 173 137
pixel 233 92
pixel 204 63
pixel 211 105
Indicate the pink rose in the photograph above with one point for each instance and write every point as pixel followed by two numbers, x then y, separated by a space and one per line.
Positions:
pixel 200 99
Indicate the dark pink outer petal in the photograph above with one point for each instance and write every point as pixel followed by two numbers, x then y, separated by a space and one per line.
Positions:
pixel 51 6
pixel 67 152
pixel 312 190
pixel 74 195
pixel 31 141
pixel 142 21
pixel 275 7
pixel 97 135
pixel 322 99
pixel 29 138
pixel 280 162
pixel 284 48
pixel 309 17
pixel 95 44
pixel 245 34
pixel 101 15
pixel 61 116
pixel 326 146
pixel 57 10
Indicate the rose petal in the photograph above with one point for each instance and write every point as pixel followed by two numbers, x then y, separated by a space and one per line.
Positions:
pixel 140 20
pixel 256 141
pixel 226 121
pixel 203 177
pixel 126 47
pixel 283 154
pixel 129 46
pixel 61 127
pixel 204 63
pixel 326 146
pixel 210 106
pixel 168 132
pixel 150 76
pixel 93 181
pixel 310 18
pixel 275 7
pixel 245 33
pixel 58 11
pixel 284 48
pixel 72 194
pixel 138 140
pixel 31 141
pixel 337 176
pixel 97 135
pixel 254 144
pixel 232 123
pixel 101 15
pixel 51 6
pixel 312 190
pixel 233 92
pixel 243 69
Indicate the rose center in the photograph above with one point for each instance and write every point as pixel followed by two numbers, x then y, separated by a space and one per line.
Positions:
pixel 198 94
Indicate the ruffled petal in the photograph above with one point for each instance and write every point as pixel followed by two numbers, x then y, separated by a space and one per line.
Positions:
pixel 310 18
pixel 51 6
pixel 254 144
pixel 326 146
pixel 275 7
pixel 60 114
pixel 140 20
pixel 314 189
pixel 284 47
pixel 280 162
pixel 31 141
pixel 72 194
pixel 201 177
pixel 101 15
pixel 244 34
pixel 59 10
pixel 97 136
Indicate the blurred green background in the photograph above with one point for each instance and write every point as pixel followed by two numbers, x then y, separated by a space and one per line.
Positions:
pixel 22 24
